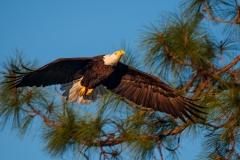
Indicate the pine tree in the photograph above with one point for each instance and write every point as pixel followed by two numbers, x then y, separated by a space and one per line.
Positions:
pixel 183 50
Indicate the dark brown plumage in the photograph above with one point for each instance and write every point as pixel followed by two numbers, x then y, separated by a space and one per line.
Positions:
pixel 59 71
pixel 136 86
pixel 149 91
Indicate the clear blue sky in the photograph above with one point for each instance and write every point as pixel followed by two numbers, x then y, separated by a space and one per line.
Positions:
pixel 48 30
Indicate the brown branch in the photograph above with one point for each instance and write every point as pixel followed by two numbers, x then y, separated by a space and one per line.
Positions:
pixel 214 128
pixel 230 65
pixel 103 153
pixel 237 155
pixel 200 89
pixel 176 59
pixel 123 139
pixel 119 140
pixel 237 19
pixel 213 17
pixel 157 120
pixel 217 149
pixel 177 146
pixel 233 144
pixel 236 74
pixel 83 152
pixel 160 150
pixel 189 82
pixel 176 130
pixel 162 40
pixel 45 119
pixel 25 110
pixel 37 112
pixel 236 3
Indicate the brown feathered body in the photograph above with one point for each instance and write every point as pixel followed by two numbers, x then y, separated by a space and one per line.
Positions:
pixel 95 73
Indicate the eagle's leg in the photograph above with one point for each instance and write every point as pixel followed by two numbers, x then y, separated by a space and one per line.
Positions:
pixel 83 91
pixel 89 91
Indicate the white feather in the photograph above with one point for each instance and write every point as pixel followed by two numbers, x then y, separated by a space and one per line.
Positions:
pixel 72 90
pixel 111 59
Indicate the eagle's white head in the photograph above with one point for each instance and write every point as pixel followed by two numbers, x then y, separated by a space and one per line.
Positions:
pixel 112 59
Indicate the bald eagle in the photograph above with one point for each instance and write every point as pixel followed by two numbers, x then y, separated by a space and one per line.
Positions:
pixel 86 79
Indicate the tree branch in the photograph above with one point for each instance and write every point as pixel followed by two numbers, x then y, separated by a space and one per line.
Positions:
pixel 160 150
pixel 123 139
pixel 230 65
pixel 162 40
pixel 176 130
pixel 189 82
pixel 45 119
pixel 213 17
pixel 177 146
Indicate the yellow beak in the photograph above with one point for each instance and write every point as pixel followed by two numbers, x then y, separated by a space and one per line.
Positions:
pixel 120 53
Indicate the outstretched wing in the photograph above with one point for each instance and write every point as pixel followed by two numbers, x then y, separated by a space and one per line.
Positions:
pixel 149 91
pixel 60 71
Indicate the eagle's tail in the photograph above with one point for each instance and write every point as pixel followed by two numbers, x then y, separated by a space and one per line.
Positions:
pixel 72 89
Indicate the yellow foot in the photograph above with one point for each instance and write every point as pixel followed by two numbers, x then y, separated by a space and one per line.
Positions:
pixel 83 91
pixel 89 91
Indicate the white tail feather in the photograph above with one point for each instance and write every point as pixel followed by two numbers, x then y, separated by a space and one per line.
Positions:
pixel 72 89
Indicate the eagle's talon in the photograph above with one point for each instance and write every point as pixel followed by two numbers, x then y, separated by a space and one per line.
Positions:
pixel 89 91
pixel 82 91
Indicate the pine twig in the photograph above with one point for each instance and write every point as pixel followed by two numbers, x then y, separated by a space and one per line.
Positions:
pixel 213 17
pixel 160 150
pixel 174 149
pixel 227 67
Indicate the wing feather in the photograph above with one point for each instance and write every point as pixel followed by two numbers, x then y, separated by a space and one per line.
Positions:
pixel 149 91
pixel 136 94
pixel 154 101
pixel 60 71
pixel 148 98
pixel 163 105
pixel 140 96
